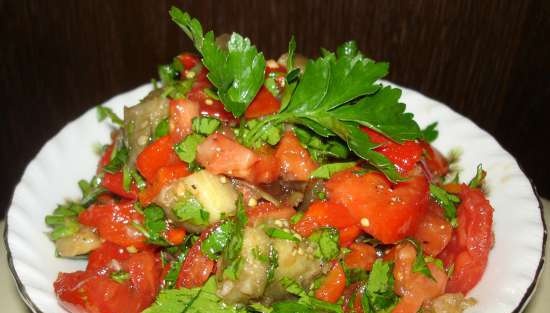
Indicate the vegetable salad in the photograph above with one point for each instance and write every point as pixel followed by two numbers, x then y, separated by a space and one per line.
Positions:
pixel 241 184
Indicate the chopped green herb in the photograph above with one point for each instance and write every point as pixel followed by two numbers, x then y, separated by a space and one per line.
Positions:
pixel 119 157
pixel 218 239
pixel 120 276
pixel 231 253
pixel 279 233
pixel 191 210
pixel 205 125
pixel 271 135
pixel 105 112
pixel 140 182
pixel 126 178
pixel 378 295
pixel 64 220
pixel 273 263
pixel 194 300
pixel 327 240
pixel 479 179
pixel 321 149
pixel 326 171
pixel 296 217
pixel 162 129
pixel 304 303
pixel 90 190
pixel 237 73
pixel 420 265
pixel 187 148
pixel 447 201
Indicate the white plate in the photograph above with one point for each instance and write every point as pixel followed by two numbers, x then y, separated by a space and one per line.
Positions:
pixel 514 263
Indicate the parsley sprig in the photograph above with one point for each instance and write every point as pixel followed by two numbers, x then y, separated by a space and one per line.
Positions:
pixel 237 73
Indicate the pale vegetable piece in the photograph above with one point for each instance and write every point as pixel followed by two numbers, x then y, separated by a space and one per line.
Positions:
pixel 295 261
pixel 141 120
pixel 214 193
pixel 449 303
pixel 82 242
pixel 300 61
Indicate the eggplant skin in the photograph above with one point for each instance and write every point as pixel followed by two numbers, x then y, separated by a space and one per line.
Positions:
pixel 141 120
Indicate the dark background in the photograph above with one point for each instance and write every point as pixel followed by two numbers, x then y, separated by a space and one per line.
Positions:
pixel 489 60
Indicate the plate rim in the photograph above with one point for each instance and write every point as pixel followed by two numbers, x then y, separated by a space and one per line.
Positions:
pixel 527 295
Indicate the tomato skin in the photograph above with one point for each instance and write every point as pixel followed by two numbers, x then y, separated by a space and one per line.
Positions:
pixel 94 291
pixel 294 160
pixel 163 176
pixel 267 210
pixel 414 288
pixel 114 183
pixel 101 258
pixel 266 170
pixel 113 222
pixel 221 155
pixel 404 155
pixel 436 163
pixel 434 231
pixel 263 104
pixel 471 241
pixel 176 236
pixel 362 256
pixel 182 111
pixel 69 295
pixel 333 287
pixel 324 213
pixel 196 267
pixel 188 60
pixel 392 212
pixel 158 154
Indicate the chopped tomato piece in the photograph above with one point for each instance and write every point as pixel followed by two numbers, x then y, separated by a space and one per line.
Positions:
pixel 471 241
pixel 265 210
pixel 263 104
pixel 294 160
pixel 221 155
pixel 175 236
pixel 266 169
pixel 91 291
pixel 182 112
pixel 362 256
pixel 114 183
pixel 435 162
pixel 188 60
pixel 114 223
pixel 196 267
pixel 349 234
pixel 404 155
pixel 156 155
pixel 413 287
pixel 102 257
pixel 389 213
pixel 433 231
pixel 333 286
pixel 324 213
pixel 163 176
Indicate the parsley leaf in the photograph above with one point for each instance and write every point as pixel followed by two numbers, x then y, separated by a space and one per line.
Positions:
pixel 187 148
pixel 379 295
pixel 305 302
pixel 447 201
pixel 336 96
pixel 231 253
pixel 218 239
pixel 326 171
pixel 64 220
pixel 327 240
pixel 205 125
pixel 420 265
pixel 430 133
pixel 194 300
pixel 162 129
pixel 190 210
pixel 320 149
pixel 120 276
pixel 237 73
pixel 279 233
